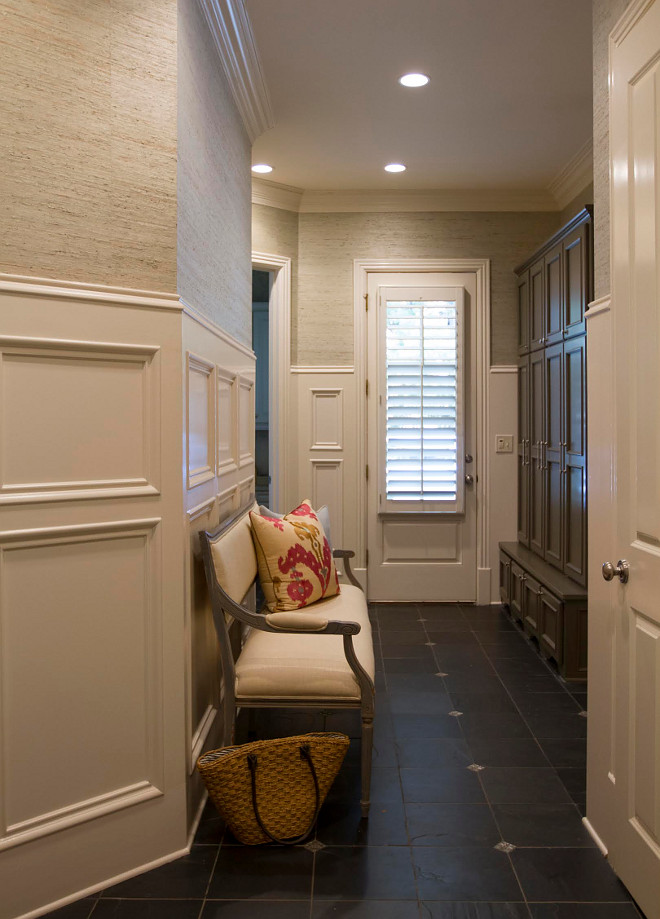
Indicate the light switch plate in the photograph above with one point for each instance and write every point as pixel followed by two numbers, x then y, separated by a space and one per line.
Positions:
pixel 504 443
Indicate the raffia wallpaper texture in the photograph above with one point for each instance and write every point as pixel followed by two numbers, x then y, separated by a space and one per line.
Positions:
pixel 88 141
pixel 322 330
pixel 605 14
pixel 214 184
pixel 275 232
pixel 578 203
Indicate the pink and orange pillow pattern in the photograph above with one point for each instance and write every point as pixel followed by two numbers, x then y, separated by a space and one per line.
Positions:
pixel 295 561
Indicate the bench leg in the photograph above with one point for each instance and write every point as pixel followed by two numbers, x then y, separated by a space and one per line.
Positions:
pixel 367 748
pixel 229 719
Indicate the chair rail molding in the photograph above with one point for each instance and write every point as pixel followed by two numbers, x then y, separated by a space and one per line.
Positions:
pixel 279 357
pixel 481 268
pixel 230 27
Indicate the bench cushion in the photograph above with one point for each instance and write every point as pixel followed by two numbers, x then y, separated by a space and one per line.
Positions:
pixel 307 666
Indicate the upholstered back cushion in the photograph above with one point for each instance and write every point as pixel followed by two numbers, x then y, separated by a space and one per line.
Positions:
pixel 294 558
pixel 234 559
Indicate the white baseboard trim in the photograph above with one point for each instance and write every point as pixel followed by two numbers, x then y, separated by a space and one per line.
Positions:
pixel 594 835
pixel 197 819
pixel 88 891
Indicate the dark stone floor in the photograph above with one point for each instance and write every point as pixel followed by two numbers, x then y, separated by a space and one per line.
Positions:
pixel 477 799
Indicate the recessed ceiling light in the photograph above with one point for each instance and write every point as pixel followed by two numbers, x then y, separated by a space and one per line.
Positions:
pixel 395 167
pixel 262 167
pixel 414 79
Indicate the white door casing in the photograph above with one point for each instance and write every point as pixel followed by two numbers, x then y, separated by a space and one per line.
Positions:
pixel 631 831
pixel 479 269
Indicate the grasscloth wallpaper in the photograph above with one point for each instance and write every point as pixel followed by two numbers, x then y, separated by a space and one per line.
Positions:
pixel 322 330
pixel 214 268
pixel 88 141
pixel 605 14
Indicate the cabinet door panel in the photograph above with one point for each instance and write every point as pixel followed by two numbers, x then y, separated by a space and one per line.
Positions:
pixel 537 436
pixel 531 607
pixel 554 320
pixel 552 455
pixel 523 452
pixel 575 460
pixel 550 636
pixel 577 282
pixel 523 313
pixel 505 579
pixel 537 304
pixel 517 583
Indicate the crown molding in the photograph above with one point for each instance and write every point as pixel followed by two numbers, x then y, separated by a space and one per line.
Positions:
pixel 272 194
pixel 232 34
pixel 576 175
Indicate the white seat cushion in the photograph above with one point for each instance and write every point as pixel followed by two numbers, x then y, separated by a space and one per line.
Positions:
pixel 307 666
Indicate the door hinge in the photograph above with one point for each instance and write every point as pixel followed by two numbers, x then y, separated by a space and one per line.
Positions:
pixel 366 471
pixel 367 387
pixel 366 302
pixel 366 563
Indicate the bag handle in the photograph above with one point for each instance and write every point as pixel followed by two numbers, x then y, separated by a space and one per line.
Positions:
pixel 252 765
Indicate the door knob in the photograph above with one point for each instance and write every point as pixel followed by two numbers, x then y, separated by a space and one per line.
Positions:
pixel 622 571
pixel 469 480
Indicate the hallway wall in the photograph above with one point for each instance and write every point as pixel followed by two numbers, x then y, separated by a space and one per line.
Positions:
pixel 88 141
pixel 213 233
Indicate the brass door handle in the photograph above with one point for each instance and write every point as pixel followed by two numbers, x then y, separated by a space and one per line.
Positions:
pixel 621 571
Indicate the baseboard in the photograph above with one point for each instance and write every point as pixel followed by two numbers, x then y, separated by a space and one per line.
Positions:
pixel 594 835
pixel 483 586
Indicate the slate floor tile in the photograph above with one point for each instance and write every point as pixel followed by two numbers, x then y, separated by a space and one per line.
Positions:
pixel 523 785
pixel 414 682
pixel 409 665
pixel 583 911
pixel 438 752
pixel 255 909
pixel 482 701
pixel 365 909
pixel 395 651
pixel 451 825
pixel 542 825
pixel 509 751
pixel 541 702
pixel 463 638
pixel 574 780
pixel 78 910
pixel 446 785
pixel 148 909
pixel 474 910
pixel 460 656
pixel 420 703
pixel 493 724
pixel 364 873
pixel 398 637
pixel 557 724
pixel 464 874
pixel 473 679
pixel 572 875
pixel 341 824
pixel 262 873
pixel 410 727
pixel 184 878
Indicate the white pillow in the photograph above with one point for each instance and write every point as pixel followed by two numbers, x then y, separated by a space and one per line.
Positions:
pixel 322 513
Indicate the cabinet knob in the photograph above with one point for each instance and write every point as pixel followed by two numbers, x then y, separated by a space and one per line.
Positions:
pixel 621 571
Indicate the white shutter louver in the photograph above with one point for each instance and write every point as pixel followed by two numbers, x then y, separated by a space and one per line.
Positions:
pixel 422 406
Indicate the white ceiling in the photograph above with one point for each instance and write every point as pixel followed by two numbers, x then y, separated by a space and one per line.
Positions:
pixel 508 106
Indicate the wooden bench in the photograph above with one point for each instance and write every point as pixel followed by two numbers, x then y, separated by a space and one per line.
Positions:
pixel 317 657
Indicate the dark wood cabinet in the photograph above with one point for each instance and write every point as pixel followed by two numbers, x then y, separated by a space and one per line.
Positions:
pixel 554 289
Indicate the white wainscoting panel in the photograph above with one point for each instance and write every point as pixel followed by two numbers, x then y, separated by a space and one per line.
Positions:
pixel 227 428
pixel 92 740
pixel 223 487
pixel 113 572
pixel 200 439
pixel 328 489
pixel 104 395
pixel 502 491
pixel 327 419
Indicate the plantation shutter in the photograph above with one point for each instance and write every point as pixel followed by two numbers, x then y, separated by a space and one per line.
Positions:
pixel 422 401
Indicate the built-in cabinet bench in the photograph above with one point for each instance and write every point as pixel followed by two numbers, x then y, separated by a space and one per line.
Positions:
pixel 550 607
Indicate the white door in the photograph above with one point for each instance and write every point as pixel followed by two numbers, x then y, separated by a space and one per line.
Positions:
pixel 631 627
pixel 421 504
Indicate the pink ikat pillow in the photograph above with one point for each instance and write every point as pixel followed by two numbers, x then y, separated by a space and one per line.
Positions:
pixel 295 561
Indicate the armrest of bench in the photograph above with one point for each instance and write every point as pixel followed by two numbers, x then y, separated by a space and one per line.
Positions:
pixel 345 555
pixel 311 624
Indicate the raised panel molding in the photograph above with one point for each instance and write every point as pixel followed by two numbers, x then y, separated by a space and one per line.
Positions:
pixel 200 433
pixel 228 502
pixel 77 736
pixel 246 490
pixel 102 396
pixel 227 431
pixel 328 488
pixel 245 421
pixel 327 419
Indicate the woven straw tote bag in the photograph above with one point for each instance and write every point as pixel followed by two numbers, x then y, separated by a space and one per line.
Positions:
pixel 272 790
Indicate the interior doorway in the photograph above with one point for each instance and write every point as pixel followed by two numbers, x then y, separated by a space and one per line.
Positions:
pixel 261 284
